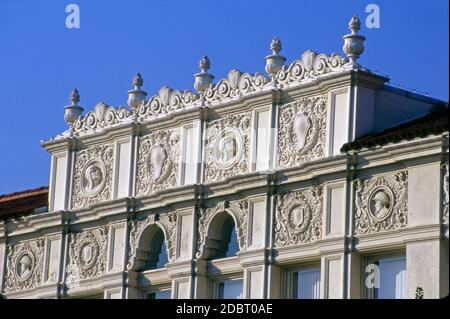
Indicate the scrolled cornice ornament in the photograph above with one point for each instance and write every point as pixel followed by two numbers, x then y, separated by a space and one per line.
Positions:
pixel 158 161
pixel 92 181
pixel 298 217
pixel 309 67
pixel 237 209
pixel 302 131
pixel 227 147
pixel 24 265
pixel 103 116
pixel 381 203
pixel 234 86
pixel 87 254
pixel 166 102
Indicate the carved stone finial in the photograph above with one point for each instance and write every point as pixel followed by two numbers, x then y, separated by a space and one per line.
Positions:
pixel 73 111
pixel 354 43
pixel 275 61
pixel 136 96
pixel 204 64
pixel 74 97
pixel 203 79
pixel 138 81
pixel 355 24
pixel 275 45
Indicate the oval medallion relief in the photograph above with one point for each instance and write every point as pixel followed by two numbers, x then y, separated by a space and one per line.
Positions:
pixel 227 149
pixel 299 217
pixel 88 254
pixel 93 177
pixel 24 265
pixel 381 203
pixel 159 164
pixel 301 126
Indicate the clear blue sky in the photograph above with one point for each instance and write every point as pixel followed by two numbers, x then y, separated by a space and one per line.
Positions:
pixel 41 60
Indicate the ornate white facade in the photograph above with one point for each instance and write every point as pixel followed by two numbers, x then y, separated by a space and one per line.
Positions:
pixel 261 154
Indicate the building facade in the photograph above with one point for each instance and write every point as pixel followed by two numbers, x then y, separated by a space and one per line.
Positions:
pixel 319 180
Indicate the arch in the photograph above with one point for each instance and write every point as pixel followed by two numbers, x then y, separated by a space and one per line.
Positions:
pixel 222 228
pixel 152 251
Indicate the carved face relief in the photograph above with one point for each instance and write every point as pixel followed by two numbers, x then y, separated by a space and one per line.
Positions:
pixel 380 203
pixel 158 159
pixel 24 265
pixel 93 178
pixel 227 149
pixel 301 128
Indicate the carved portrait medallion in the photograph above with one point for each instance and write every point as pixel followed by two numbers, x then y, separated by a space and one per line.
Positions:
pixel 159 163
pixel 227 149
pixel 381 203
pixel 93 177
pixel 24 265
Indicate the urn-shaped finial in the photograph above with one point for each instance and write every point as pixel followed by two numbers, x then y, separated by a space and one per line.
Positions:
pixel 73 111
pixel 354 43
pixel 203 79
pixel 136 95
pixel 275 61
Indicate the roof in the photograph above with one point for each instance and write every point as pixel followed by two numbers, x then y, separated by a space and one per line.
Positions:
pixel 23 202
pixel 434 123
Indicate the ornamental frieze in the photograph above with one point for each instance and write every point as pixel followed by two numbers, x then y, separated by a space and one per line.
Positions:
pixel 87 255
pixel 298 218
pixel 166 221
pixel 227 147
pixel 92 181
pixel 24 265
pixel 309 67
pixel 381 203
pixel 158 158
pixel 302 131
pixel 237 209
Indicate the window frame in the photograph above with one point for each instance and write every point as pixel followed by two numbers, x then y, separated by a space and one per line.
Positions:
pixel 287 286
pixel 368 293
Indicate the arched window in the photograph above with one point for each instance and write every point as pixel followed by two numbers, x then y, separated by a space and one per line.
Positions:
pixel 222 241
pixel 152 251
pixel 230 238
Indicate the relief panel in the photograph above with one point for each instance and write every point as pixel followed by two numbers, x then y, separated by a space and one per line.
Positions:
pixel 158 161
pixel 381 203
pixel 227 147
pixel 298 218
pixel 87 255
pixel 302 131
pixel 92 181
pixel 24 265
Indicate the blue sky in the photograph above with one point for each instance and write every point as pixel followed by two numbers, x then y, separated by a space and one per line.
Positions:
pixel 41 60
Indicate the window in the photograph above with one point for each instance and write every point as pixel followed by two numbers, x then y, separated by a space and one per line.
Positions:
pixel 306 284
pixel 222 241
pixel 155 249
pixel 162 294
pixel 386 278
pixel 231 289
